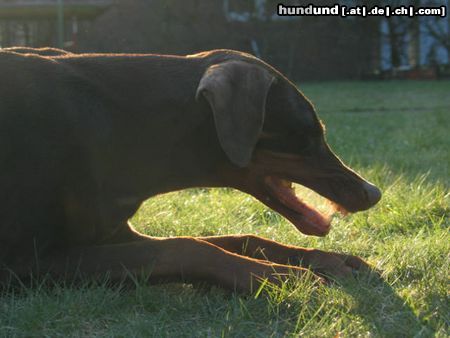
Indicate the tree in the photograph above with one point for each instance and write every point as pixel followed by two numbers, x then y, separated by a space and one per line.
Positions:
pixel 439 28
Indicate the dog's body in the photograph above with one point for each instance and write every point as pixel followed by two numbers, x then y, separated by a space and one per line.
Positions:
pixel 87 138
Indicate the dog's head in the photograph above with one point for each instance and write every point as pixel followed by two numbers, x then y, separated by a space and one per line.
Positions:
pixel 272 137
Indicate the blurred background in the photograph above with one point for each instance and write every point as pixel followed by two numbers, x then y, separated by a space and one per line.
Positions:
pixel 304 48
pixel 382 88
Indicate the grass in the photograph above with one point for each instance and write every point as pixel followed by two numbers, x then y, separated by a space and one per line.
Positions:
pixel 396 135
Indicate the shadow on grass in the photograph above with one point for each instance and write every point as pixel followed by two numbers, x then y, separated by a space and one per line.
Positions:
pixel 383 310
pixel 217 312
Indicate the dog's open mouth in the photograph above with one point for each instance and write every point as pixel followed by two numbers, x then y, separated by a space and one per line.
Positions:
pixel 283 199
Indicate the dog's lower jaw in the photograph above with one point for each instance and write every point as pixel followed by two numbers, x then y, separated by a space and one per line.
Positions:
pixel 306 216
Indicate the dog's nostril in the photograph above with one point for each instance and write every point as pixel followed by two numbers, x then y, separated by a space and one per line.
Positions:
pixel 373 194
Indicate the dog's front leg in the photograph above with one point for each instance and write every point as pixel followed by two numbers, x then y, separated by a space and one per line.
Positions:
pixel 325 263
pixel 170 259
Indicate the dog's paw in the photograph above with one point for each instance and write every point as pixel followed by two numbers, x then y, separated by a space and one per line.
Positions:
pixel 331 265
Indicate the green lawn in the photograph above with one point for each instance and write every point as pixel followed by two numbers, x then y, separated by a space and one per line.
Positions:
pixel 397 135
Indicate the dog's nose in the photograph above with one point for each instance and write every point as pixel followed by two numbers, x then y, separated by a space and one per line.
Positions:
pixel 372 192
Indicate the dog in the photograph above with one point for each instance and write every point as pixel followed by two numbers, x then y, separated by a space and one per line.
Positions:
pixel 44 51
pixel 86 138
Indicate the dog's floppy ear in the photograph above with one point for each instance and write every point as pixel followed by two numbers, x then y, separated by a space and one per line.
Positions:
pixel 237 92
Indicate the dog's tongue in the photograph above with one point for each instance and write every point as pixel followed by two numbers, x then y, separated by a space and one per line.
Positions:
pixel 309 217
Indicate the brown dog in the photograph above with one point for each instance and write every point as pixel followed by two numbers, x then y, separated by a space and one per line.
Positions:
pixel 86 138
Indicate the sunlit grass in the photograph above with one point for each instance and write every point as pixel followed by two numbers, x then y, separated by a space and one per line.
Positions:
pixel 406 237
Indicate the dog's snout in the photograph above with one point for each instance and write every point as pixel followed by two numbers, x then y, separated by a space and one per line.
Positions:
pixel 372 192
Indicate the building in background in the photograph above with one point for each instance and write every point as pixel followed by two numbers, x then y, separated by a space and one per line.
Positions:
pixel 46 22
pixel 402 42
pixel 302 47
